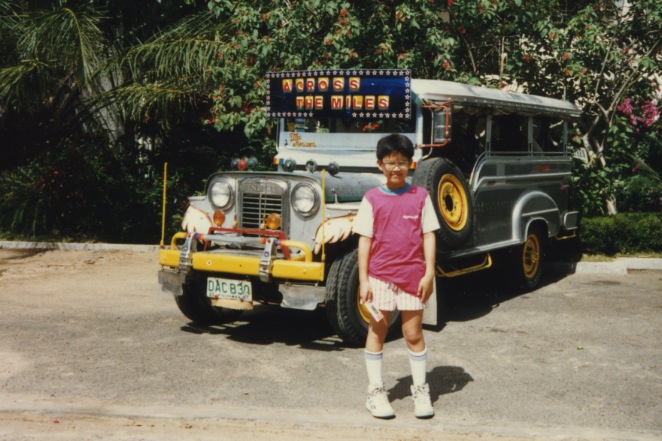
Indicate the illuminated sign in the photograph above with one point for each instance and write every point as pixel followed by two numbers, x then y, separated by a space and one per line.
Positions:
pixel 337 93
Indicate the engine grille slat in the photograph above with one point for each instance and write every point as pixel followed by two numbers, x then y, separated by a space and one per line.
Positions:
pixel 256 205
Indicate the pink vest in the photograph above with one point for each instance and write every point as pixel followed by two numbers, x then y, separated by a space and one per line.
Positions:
pixel 396 253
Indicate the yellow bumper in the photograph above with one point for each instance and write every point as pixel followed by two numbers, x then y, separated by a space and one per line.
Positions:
pixel 288 269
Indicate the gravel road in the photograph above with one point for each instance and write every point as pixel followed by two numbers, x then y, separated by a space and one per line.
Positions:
pixel 91 349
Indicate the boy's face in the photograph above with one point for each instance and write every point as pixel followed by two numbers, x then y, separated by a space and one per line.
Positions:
pixel 395 168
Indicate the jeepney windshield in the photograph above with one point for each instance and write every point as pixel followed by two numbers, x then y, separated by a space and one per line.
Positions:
pixel 340 134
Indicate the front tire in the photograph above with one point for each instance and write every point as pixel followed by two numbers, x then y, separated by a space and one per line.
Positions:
pixel 346 315
pixel 452 200
pixel 196 306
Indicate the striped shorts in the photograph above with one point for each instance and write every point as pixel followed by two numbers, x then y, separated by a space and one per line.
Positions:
pixel 388 297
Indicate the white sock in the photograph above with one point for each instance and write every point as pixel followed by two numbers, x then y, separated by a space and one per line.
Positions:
pixel 373 364
pixel 418 364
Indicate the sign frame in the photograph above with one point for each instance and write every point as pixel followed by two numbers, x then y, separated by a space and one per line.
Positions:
pixel 373 94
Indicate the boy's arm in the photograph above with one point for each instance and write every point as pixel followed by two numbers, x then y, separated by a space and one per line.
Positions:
pixel 364 258
pixel 426 285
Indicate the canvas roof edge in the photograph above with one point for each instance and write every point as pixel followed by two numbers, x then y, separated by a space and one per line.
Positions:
pixel 440 91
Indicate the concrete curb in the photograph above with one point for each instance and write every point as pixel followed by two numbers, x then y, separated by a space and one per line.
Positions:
pixel 16 245
pixel 622 266
pixel 618 266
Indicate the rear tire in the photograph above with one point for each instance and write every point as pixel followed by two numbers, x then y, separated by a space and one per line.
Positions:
pixel 348 318
pixel 528 261
pixel 196 306
pixel 451 198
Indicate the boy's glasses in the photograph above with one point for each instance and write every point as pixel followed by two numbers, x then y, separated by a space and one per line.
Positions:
pixel 393 165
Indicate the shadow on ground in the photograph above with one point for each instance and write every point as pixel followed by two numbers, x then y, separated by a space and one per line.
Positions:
pixel 462 299
pixel 266 325
pixel 475 295
pixel 443 380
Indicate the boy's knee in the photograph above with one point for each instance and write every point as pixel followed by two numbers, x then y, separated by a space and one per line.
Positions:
pixel 412 336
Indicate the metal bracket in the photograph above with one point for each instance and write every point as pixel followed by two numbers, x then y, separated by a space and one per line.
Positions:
pixel 186 256
pixel 266 259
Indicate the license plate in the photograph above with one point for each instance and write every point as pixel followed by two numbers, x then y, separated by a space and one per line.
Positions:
pixel 218 288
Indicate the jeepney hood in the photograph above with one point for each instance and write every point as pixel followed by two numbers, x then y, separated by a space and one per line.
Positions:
pixel 341 188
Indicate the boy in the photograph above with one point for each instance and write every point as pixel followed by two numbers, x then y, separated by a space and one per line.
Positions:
pixel 396 224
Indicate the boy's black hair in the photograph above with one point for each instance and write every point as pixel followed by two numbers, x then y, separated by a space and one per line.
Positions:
pixel 395 143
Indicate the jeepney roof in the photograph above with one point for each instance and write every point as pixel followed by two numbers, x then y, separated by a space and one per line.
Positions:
pixel 437 91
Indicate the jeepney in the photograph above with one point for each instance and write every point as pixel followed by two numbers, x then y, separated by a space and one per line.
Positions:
pixel 495 163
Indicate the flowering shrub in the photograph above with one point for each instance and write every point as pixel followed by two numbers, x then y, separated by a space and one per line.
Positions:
pixel 648 115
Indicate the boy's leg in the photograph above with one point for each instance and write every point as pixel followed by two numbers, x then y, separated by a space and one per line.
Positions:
pixel 374 348
pixel 412 329
pixel 377 402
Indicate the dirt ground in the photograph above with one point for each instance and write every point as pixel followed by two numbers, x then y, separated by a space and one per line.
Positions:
pixel 91 349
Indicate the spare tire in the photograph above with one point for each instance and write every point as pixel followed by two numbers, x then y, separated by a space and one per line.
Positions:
pixel 451 198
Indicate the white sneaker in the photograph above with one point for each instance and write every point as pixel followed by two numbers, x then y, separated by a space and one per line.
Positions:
pixel 377 402
pixel 422 404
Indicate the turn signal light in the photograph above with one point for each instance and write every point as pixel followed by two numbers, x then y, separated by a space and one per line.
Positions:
pixel 272 221
pixel 219 218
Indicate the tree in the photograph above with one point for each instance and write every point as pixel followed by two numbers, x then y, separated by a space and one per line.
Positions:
pixel 55 55
pixel 595 53
pixel 60 171
pixel 606 53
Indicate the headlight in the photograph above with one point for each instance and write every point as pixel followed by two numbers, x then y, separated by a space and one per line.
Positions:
pixel 305 200
pixel 220 194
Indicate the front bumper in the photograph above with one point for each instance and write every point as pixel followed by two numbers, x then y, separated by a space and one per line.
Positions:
pixel 266 267
pixel 297 278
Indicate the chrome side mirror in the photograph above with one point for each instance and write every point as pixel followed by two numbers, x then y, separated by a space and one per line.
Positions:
pixel 441 125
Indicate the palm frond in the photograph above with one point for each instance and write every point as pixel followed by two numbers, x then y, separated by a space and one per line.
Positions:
pixel 70 38
pixel 143 100
pixel 26 82
pixel 166 74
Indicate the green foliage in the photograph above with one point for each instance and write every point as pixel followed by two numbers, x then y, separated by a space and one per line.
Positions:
pixel 589 186
pixel 55 191
pixel 623 233
pixel 85 192
pixel 640 194
pixel 58 52
pixel 594 53
pixel 140 84
pixel 631 172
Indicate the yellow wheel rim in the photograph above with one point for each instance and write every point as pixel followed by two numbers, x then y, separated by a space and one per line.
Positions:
pixel 531 256
pixel 452 202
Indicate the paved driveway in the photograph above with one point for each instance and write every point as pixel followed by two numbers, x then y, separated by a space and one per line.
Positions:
pixel 91 349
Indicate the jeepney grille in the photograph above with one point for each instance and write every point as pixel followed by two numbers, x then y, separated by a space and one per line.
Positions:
pixel 255 206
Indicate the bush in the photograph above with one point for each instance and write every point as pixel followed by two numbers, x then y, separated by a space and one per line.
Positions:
pixel 640 193
pixel 623 233
pixel 85 191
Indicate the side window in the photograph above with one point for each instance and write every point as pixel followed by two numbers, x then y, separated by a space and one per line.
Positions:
pixel 510 133
pixel 468 136
pixel 480 132
pixel 547 135
pixel 469 132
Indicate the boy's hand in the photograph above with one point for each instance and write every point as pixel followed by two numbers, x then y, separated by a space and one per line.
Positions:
pixel 425 287
pixel 365 293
